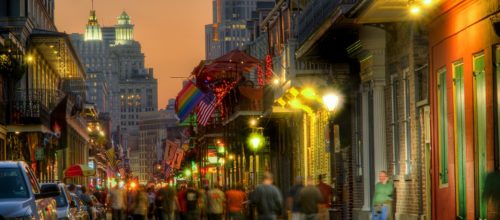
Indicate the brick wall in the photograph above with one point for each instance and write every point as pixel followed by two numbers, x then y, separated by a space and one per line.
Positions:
pixel 406 52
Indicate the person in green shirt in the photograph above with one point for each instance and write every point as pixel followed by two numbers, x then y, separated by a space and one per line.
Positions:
pixel 382 198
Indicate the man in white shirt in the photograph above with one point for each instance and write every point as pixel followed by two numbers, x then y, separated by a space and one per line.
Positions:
pixel 117 198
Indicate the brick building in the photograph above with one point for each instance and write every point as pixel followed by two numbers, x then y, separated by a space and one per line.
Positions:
pixel 406 110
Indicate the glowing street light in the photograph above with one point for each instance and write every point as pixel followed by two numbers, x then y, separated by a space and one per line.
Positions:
pixel 29 58
pixel 187 172
pixel 427 2
pixel 133 185
pixel 255 141
pixel 253 122
pixel 331 101
pixel 276 81
pixel 415 9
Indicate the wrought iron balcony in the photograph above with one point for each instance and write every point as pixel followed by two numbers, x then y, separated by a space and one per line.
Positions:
pixel 35 105
pixel 315 14
pixel 249 102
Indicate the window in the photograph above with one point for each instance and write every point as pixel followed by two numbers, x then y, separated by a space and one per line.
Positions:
pixel 13 185
pixel 458 97
pixel 421 83
pixel 442 127
pixel 480 128
pixel 395 124
pixel 407 121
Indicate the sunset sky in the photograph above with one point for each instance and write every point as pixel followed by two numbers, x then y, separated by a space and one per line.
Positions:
pixel 171 32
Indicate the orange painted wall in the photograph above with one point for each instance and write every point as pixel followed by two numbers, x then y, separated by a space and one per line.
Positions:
pixel 462 29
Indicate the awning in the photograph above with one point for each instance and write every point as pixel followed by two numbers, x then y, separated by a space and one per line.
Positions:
pixel 79 170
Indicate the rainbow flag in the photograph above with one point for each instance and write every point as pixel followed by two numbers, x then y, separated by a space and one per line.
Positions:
pixel 187 99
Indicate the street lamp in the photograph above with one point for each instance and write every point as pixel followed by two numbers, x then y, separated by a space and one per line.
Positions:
pixel 255 141
pixel 331 102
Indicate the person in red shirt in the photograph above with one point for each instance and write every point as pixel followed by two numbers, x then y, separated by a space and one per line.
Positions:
pixel 326 193
pixel 181 197
pixel 235 198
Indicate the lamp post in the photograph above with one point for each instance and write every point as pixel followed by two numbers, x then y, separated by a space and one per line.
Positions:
pixel 255 141
pixel 331 102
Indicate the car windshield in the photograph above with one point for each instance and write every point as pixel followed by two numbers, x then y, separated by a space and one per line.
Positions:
pixel 12 184
pixel 61 200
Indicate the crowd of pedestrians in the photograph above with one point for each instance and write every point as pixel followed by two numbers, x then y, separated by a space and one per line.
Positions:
pixel 309 201
pixel 190 203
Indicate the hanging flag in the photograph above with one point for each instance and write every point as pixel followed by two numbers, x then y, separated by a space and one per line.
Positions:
pixel 110 154
pixel 187 99
pixel 206 108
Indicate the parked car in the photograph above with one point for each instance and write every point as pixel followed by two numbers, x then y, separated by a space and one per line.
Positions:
pixel 21 196
pixel 66 207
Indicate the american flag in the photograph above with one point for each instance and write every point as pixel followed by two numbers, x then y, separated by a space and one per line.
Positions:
pixel 206 108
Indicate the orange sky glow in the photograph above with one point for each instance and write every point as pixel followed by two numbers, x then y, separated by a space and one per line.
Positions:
pixel 171 33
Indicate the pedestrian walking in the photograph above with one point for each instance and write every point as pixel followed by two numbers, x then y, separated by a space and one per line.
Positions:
pixel 181 197
pixel 267 198
pixel 293 205
pixel 215 200
pixel 203 203
pixel 151 203
pixel 116 200
pixel 326 193
pixel 382 198
pixel 308 200
pixel 192 200
pixel 235 200
pixel 87 201
pixel 140 204
pixel 166 203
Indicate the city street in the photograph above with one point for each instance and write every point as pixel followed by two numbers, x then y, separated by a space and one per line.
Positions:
pixel 250 109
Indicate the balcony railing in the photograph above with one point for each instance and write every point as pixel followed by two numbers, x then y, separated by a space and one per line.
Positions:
pixel 49 98
pixel 31 112
pixel 249 101
pixel 35 105
pixel 316 13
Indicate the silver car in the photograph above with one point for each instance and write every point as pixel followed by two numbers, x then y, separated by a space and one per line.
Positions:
pixel 21 196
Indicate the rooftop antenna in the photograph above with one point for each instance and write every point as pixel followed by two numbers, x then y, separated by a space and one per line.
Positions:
pixel 92 5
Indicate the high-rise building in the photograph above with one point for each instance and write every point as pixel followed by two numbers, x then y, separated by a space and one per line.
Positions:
pixel 153 131
pixel 229 29
pixel 118 81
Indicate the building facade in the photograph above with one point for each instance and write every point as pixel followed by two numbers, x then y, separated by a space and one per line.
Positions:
pixel 229 29
pixel 44 95
pixel 118 81
pixel 464 107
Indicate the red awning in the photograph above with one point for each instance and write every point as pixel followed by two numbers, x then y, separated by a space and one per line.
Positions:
pixel 79 170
